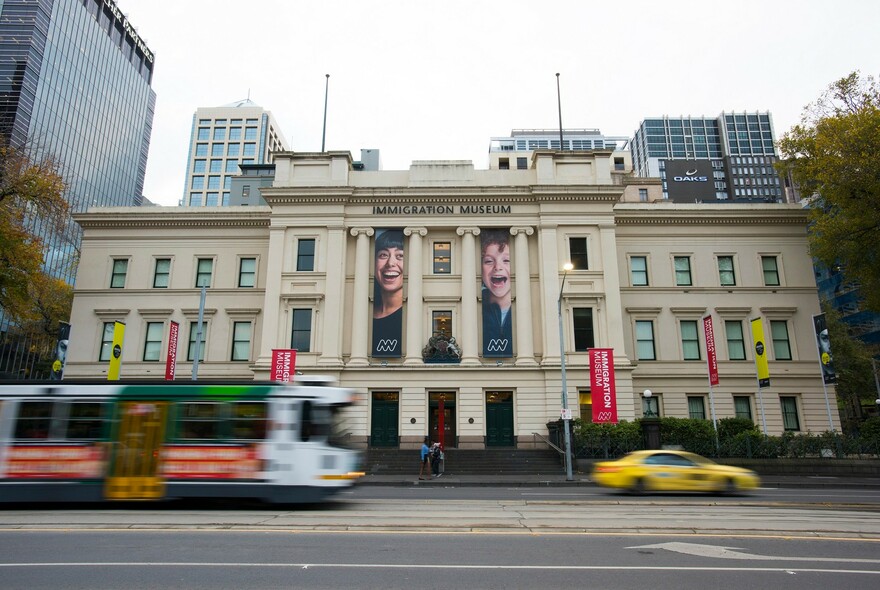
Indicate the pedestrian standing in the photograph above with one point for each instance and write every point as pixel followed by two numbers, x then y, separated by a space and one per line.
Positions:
pixel 436 457
pixel 425 467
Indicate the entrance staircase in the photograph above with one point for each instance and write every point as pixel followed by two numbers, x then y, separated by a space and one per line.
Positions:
pixel 467 462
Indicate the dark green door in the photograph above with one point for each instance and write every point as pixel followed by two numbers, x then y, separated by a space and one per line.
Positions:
pixel 384 420
pixel 499 419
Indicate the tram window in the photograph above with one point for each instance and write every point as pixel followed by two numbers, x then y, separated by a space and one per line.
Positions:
pixel 200 420
pixel 86 420
pixel 249 420
pixel 34 419
pixel 315 422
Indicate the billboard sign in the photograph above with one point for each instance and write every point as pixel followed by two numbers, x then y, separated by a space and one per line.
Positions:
pixel 388 294
pixel 496 292
pixel 689 181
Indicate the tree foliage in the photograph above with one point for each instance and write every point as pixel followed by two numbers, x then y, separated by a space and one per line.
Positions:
pixel 832 155
pixel 31 196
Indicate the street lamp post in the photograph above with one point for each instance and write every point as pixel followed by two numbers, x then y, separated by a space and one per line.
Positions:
pixel 648 413
pixel 566 417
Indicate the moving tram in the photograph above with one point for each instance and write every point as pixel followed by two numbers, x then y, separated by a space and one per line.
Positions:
pixel 92 442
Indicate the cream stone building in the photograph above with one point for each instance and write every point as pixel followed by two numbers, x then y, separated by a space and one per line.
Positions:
pixel 304 272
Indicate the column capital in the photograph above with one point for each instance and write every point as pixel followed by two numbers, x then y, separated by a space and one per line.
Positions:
pixel 468 230
pixel 528 230
pixel 421 231
pixel 355 231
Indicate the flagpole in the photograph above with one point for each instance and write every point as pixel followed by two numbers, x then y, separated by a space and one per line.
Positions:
pixel 559 103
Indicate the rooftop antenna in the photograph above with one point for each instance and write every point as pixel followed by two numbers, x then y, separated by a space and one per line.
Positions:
pixel 326 90
pixel 559 102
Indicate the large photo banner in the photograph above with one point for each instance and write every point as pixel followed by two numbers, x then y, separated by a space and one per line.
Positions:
pixel 388 294
pixel 823 343
pixel 496 296
pixel 602 387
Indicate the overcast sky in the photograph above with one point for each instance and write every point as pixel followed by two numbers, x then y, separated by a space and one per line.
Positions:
pixel 421 81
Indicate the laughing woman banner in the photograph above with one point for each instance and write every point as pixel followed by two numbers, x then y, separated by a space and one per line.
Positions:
pixel 388 294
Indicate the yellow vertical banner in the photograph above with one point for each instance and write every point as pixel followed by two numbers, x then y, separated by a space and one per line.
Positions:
pixel 116 352
pixel 760 352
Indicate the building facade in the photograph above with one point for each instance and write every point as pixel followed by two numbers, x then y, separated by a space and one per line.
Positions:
pixel 222 139
pixel 515 152
pixel 438 293
pixel 701 159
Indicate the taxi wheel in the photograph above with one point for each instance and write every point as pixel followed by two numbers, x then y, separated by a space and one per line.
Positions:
pixel 730 488
pixel 638 486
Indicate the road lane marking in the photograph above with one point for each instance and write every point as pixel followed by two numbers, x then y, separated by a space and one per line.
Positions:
pixel 721 552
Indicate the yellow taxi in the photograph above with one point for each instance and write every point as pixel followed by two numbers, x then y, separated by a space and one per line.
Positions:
pixel 666 470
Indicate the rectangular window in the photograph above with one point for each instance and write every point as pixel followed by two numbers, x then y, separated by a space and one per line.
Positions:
pixel 736 345
pixel 618 164
pixel 231 167
pixel 522 163
pixel 742 406
pixel 199 167
pixel 233 150
pixel 583 328
pixel 193 332
pixel 250 133
pixel 106 342
pixel 86 421
pixel 117 278
pixel 645 340
pixel 153 341
pixel 201 421
pixel 725 271
pixel 790 421
pixel 34 420
pixel 643 195
pixel 216 167
pixel 247 272
pixel 441 323
pixel 241 341
pixel 234 133
pixel 683 271
pixel 696 407
pixel 250 149
pixel 305 255
pixel 577 252
pixel 771 271
pixel 442 258
pixel 162 273
pixel 690 342
pixel 204 267
pixel 216 150
pixel 213 182
pixel 249 420
pixel 219 134
pixel 301 335
pixel 201 149
pixel 781 345
pixel 639 270
pixel 504 163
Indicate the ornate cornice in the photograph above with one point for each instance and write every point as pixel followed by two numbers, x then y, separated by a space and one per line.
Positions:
pixel 173 217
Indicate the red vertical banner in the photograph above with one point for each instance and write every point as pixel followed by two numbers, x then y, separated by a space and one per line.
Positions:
pixel 602 386
pixel 283 364
pixel 710 350
pixel 171 359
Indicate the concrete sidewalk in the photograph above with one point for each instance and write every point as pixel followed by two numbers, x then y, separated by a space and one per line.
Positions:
pixel 583 479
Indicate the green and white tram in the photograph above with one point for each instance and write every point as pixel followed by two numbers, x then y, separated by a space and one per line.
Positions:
pixel 90 442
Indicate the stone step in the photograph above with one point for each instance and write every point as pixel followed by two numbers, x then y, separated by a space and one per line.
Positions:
pixel 467 461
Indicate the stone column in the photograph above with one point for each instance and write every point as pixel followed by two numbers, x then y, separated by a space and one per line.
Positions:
pixel 551 278
pixel 414 300
pixel 360 333
pixel 331 343
pixel 272 326
pixel 525 347
pixel 470 348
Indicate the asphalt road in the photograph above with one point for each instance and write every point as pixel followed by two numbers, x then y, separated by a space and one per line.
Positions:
pixel 224 559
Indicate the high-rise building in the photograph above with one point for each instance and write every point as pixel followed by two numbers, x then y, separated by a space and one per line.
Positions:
pixel 222 139
pixel 729 157
pixel 75 85
pixel 515 152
